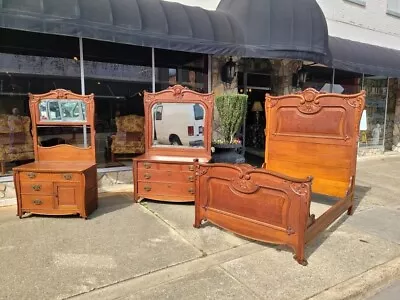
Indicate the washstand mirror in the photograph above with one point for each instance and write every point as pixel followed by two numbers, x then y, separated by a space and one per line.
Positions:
pixel 62 123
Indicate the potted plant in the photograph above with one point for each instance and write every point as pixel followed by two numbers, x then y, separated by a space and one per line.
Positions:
pixel 232 109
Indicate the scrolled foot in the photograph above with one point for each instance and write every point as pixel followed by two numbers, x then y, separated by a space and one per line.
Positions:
pixel 350 211
pixel 302 262
pixel 197 224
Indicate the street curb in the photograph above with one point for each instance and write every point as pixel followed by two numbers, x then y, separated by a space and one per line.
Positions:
pixel 364 285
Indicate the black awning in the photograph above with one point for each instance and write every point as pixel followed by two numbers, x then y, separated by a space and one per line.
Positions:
pixel 364 58
pixel 150 23
pixel 281 28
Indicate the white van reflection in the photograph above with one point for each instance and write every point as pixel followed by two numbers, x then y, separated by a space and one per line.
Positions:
pixel 179 124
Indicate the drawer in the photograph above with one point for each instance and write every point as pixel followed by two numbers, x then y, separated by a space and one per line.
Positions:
pixel 38 202
pixel 165 176
pixel 37 187
pixel 165 166
pixel 163 189
pixel 41 176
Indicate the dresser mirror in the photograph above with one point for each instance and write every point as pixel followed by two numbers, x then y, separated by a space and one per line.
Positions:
pixel 177 132
pixel 178 125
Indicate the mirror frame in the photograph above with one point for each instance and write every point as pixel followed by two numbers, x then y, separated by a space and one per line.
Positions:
pixel 63 152
pixel 179 94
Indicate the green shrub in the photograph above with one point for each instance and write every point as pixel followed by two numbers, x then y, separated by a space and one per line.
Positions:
pixel 232 109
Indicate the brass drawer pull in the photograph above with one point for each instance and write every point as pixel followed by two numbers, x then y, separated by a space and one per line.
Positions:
pixel 191 168
pixel 191 178
pixel 147 176
pixel 37 202
pixel 191 191
pixel 36 187
pixel 147 165
pixel 31 175
pixel 147 188
pixel 67 176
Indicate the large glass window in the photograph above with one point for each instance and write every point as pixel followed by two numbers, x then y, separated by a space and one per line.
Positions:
pixel 32 63
pixel 117 74
pixel 377 91
pixel 187 69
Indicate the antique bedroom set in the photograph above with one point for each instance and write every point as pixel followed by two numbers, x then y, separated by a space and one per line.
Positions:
pixel 311 147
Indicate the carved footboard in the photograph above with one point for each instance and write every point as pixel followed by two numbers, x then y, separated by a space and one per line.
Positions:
pixel 254 203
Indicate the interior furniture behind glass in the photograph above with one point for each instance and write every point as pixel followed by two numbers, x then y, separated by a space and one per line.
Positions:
pixel 177 131
pixel 63 178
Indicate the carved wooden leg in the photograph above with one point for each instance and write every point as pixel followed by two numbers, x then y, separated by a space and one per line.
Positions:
pixel 350 210
pixel 197 222
pixel 299 256
pixel 198 218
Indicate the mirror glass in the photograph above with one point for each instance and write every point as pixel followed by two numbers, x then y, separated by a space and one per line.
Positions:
pixel 178 125
pixel 53 110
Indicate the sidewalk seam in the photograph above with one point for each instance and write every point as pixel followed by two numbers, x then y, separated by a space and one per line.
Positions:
pixel 249 290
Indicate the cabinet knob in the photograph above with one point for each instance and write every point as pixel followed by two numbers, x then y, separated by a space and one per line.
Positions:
pixel 147 188
pixel 191 178
pixel 67 176
pixel 191 168
pixel 147 165
pixel 36 187
pixel 37 202
pixel 191 190
pixel 147 176
pixel 31 175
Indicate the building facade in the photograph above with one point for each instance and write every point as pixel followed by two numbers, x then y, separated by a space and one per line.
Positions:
pixel 118 66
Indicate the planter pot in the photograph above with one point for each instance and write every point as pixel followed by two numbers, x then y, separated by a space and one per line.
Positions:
pixel 227 153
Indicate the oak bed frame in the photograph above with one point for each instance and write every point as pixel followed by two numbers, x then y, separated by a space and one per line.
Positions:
pixel 311 147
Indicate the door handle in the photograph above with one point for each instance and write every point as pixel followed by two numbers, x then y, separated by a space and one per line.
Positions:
pixel 147 176
pixel 147 188
pixel 147 165
pixel 191 191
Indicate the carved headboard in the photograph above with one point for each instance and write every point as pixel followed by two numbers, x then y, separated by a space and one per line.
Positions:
pixel 315 134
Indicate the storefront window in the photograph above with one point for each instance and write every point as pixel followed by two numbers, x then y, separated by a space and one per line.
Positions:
pixel 377 90
pixel 32 63
pixel 187 69
pixel 117 74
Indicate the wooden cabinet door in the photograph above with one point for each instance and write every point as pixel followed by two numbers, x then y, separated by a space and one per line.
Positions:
pixel 66 195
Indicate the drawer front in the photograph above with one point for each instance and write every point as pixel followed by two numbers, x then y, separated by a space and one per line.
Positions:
pixel 165 176
pixel 37 202
pixel 39 176
pixel 166 189
pixel 165 167
pixel 37 188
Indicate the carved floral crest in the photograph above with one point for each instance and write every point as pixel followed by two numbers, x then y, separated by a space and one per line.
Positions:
pixel 309 103
pixel 244 184
pixel 177 90
pixel 356 102
pixel 299 188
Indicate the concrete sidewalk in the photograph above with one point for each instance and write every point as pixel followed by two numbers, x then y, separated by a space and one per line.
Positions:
pixel 150 251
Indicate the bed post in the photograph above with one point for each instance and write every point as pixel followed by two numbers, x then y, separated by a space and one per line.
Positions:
pixel 350 194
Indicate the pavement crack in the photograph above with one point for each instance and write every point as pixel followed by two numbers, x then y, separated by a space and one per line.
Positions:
pixel 249 290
